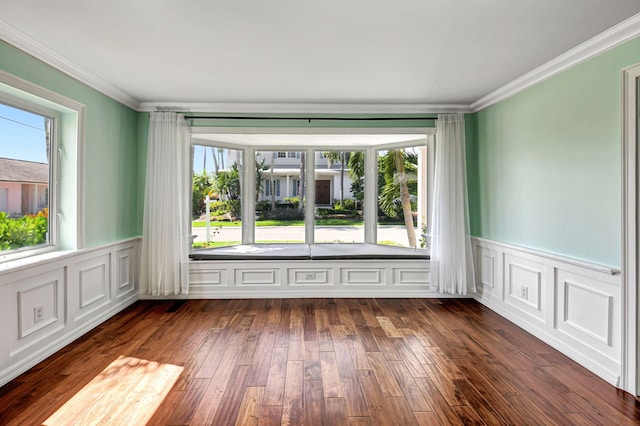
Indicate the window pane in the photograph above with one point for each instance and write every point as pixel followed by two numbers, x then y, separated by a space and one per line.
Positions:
pixel 279 188
pixel 25 142
pixel 398 200
pixel 339 184
pixel 217 173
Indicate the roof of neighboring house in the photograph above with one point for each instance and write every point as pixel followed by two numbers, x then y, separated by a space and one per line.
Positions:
pixel 23 171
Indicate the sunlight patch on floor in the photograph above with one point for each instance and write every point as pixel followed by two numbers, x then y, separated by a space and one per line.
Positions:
pixel 127 392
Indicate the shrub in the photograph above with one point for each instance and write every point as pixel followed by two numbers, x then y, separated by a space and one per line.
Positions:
pixel 323 211
pixel 295 201
pixel 349 204
pixel 263 206
pixel 222 208
pixel 284 214
pixel 23 231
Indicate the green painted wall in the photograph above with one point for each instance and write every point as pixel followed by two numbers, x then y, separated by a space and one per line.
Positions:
pixel 111 168
pixel 545 164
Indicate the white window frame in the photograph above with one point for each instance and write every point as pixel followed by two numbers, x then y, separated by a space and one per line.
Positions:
pixel 371 171
pixel 66 168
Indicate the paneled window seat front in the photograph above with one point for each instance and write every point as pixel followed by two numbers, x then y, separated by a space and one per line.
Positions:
pixel 310 270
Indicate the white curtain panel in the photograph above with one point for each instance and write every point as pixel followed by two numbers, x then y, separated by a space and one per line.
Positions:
pixel 165 234
pixel 451 255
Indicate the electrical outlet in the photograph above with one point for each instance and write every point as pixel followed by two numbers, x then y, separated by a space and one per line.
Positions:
pixel 524 292
pixel 38 313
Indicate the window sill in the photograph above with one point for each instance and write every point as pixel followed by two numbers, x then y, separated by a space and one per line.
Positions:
pixel 8 263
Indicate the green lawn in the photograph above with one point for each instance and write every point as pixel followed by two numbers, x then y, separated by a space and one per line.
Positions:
pixel 320 222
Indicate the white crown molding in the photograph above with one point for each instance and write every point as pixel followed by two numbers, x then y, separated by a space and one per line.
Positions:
pixel 614 36
pixel 40 52
pixel 303 108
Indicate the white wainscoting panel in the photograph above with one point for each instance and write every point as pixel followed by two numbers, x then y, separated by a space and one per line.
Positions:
pixel 407 276
pixel 525 285
pixel 572 305
pixel 488 264
pixel 89 285
pixel 50 300
pixel 38 310
pixel 309 278
pixel 362 276
pixel 257 277
pixel 125 272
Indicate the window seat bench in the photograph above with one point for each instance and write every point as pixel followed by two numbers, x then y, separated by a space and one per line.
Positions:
pixel 309 270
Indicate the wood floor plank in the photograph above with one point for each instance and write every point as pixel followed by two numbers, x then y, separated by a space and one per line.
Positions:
pixel 437 402
pixel 270 415
pixel 388 383
pixel 274 388
pixel 314 411
pixel 210 401
pixel 312 366
pixel 330 375
pixel 227 413
pixel 248 413
pixel 376 406
pixel 262 357
pixel 319 361
pixel 292 406
pixel 335 410
pixel 410 389
pixel 356 405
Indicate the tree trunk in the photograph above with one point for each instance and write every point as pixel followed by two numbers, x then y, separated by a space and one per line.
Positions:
pixel 342 179
pixel 301 183
pixel 272 185
pixel 216 168
pixel 405 200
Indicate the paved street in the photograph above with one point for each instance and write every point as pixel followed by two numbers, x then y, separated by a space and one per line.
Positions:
pixel 284 234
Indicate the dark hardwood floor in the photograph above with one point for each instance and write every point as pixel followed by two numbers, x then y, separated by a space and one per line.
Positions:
pixel 326 362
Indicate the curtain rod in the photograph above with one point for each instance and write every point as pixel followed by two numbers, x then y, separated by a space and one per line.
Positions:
pixel 218 117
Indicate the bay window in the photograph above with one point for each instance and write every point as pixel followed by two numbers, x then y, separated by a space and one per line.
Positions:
pixel 343 188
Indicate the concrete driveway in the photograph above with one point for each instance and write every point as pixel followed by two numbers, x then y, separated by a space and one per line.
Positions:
pixel 295 234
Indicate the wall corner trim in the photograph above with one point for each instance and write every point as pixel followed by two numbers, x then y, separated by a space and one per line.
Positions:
pixel 614 36
pixel 21 41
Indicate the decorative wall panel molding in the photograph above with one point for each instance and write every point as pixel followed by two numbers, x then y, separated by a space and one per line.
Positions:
pixel 309 278
pixel 125 272
pixel 50 301
pixel 571 305
pixel 37 308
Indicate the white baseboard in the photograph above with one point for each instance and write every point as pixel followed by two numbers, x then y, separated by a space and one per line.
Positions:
pixel 573 306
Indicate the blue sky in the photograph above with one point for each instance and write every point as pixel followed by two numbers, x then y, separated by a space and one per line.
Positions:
pixel 22 135
pixel 198 158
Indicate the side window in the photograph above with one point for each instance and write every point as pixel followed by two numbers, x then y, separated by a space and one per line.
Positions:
pixel 27 144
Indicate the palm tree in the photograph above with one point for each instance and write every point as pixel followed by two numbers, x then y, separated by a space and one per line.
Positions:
pixel 332 157
pixel 301 183
pixel 355 165
pixel 227 183
pixel 260 169
pixel 398 172
pixel 272 186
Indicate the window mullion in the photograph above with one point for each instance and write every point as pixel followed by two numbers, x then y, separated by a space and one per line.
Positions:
pixel 370 196
pixel 248 191
pixel 310 195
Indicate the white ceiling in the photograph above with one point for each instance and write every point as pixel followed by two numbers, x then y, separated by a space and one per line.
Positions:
pixel 365 52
